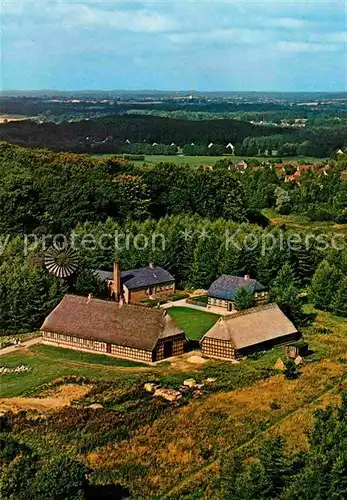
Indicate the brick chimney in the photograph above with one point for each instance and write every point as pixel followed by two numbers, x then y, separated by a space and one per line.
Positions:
pixel 116 281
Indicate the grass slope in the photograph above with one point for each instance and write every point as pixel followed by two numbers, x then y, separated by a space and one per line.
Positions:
pixel 194 323
pixel 48 363
pixel 302 223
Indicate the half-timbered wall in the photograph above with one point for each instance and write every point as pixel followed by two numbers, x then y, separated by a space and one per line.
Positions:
pixel 260 298
pixel 59 338
pixel 114 349
pixel 133 296
pixel 130 352
pixel 177 348
pixel 218 302
pixel 93 345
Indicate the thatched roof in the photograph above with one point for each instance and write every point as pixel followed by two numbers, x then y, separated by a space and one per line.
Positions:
pixel 226 286
pixel 252 326
pixel 105 321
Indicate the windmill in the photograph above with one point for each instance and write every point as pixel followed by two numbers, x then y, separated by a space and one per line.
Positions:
pixel 61 262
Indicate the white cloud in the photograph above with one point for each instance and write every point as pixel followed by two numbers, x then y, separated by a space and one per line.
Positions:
pixel 116 15
pixel 302 47
pixel 221 36
pixel 288 23
pixel 337 37
pixel 144 21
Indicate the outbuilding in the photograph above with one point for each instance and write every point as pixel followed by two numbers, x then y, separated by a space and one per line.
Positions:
pixel 223 290
pixel 242 333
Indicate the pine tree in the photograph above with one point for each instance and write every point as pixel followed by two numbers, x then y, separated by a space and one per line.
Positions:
pixel 205 261
pixel 88 282
pixel 243 299
pixel 286 294
pixel 339 302
pixel 324 285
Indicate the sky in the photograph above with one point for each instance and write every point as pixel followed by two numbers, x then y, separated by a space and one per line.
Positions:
pixel 174 45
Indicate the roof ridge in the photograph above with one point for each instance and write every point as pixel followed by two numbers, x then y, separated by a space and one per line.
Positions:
pixel 113 302
pixel 251 310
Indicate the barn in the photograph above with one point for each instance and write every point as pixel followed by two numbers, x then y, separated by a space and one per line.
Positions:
pixel 242 333
pixel 135 332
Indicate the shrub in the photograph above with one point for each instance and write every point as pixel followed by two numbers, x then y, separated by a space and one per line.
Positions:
pixel 200 300
pixel 178 296
pixel 291 370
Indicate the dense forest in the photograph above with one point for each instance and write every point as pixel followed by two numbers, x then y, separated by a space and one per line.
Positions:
pixel 43 191
pixel 80 136
pixel 126 134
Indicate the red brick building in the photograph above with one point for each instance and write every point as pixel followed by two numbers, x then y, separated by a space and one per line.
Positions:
pixel 135 285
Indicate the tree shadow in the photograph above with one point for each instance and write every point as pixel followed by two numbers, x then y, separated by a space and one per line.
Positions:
pixel 106 492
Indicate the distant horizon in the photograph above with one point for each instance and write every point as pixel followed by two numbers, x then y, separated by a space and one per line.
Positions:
pixel 178 90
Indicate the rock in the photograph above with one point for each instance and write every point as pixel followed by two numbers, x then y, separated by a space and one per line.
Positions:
pixel 183 388
pixel 210 380
pixel 279 365
pixel 95 406
pixel 168 394
pixel 197 394
pixel 189 382
pixel 298 360
pixel 150 387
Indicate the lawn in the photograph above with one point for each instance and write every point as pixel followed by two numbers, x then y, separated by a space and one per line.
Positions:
pixel 194 323
pixel 48 363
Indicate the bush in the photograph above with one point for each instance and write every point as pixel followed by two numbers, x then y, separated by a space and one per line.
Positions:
pixel 341 217
pixel 291 370
pixel 178 296
pixel 200 300
pixel 321 214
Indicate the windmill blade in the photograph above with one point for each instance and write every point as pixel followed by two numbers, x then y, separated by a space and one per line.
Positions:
pixel 61 262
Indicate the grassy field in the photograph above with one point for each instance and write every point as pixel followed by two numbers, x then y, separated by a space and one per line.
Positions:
pixel 302 223
pixel 194 323
pixel 207 160
pixel 48 363
pixel 177 451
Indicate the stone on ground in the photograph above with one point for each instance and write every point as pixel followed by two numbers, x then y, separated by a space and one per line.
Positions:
pixel 197 360
pixel 168 394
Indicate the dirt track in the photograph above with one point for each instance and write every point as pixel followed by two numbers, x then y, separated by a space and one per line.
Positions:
pixel 61 397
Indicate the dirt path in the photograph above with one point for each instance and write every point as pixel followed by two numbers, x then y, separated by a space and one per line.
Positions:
pixel 63 396
pixel 13 348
